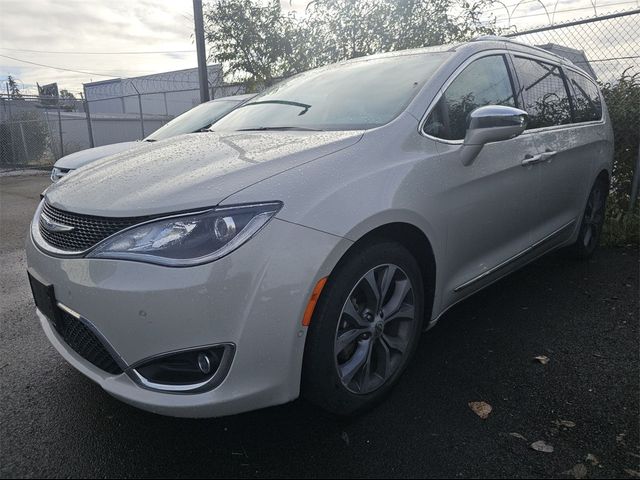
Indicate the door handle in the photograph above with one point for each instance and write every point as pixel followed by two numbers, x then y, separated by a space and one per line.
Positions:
pixel 531 160
pixel 547 156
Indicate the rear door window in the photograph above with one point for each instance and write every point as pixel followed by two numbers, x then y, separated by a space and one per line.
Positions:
pixel 587 105
pixel 485 81
pixel 544 93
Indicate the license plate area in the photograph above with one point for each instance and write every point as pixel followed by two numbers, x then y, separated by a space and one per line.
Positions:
pixel 45 299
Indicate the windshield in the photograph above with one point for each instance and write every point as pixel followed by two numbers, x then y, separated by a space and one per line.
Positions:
pixel 347 96
pixel 194 120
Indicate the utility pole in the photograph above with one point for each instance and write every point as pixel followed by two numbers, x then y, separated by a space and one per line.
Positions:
pixel 200 48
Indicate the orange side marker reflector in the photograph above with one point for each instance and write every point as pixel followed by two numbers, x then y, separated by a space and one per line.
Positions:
pixel 315 295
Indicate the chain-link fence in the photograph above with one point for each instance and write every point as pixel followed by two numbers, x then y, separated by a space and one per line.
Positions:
pixel 608 47
pixel 36 130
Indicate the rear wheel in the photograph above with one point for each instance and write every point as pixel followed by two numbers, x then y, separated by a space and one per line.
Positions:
pixel 364 330
pixel 592 221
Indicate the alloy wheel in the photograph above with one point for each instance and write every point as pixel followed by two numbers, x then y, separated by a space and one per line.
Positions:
pixel 374 329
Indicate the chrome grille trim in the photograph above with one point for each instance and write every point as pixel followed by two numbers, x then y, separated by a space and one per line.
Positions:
pixel 87 232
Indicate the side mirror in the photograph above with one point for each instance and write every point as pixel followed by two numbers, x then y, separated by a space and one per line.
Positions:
pixel 492 123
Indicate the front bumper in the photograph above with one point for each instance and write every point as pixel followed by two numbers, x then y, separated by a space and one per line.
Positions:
pixel 253 298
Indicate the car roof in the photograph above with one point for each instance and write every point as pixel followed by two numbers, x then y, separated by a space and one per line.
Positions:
pixel 487 42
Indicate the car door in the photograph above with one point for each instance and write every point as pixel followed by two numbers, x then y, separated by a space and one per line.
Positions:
pixel 489 203
pixel 567 149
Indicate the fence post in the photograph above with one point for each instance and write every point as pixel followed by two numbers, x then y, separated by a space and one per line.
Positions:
pixel 635 182
pixel 141 115
pixel 89 127
pixel 46 115
pixel 60 131
pixel 13 147
pixel 24 143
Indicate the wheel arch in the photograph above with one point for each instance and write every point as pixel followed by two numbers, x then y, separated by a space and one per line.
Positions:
pixel 414 240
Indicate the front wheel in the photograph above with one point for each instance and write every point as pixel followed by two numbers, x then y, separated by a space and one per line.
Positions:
pixel 592 221
pixel 365 328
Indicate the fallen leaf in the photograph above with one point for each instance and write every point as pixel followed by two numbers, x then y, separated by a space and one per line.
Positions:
pixel 632 473
pixel 592 459
pixel 542 446
pixel 578 471
pixel 564 423
pixel 482 409
pixel 543 359
pixel 517 435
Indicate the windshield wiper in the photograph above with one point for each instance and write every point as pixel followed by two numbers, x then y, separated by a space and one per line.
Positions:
pixel 259 129
pixel 305 106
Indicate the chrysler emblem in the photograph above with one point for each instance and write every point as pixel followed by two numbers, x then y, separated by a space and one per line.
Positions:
pixel 53 226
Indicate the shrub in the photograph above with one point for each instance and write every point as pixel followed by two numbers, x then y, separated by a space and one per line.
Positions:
pixel 622 226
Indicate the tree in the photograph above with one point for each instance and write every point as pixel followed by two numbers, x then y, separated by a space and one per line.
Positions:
pixel 14 90
pixel 249 38
pixel 67 95
pixel 260 43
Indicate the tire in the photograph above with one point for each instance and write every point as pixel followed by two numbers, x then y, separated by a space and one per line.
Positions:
pixel 592 221
pixel 353 355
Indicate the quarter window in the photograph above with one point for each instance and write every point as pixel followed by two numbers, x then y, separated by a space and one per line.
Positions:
pixel 587 105
pixel 544 93
pixel 485 81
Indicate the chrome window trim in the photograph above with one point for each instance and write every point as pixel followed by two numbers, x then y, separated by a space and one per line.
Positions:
pixel 562 66
pixel 514 53
pixel 449 81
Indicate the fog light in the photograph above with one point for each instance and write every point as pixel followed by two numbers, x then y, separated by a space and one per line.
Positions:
pixel 204 362
pixel 183 368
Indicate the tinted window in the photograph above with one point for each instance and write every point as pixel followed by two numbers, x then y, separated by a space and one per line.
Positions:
pixel 586 98
pixel 544 93
pixel 351 95
pixel 484 82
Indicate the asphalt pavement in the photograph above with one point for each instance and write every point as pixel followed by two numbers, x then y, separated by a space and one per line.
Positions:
pixel 584 402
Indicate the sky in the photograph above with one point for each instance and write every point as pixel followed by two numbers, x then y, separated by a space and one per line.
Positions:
pixel 101 39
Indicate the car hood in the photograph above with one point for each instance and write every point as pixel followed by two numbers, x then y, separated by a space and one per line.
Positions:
pixel 189 171
pixel 84 157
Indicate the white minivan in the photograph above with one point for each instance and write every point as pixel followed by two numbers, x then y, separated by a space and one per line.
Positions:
pixel 303 245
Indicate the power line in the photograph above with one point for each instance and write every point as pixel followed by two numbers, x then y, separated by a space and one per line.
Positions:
pixel 96 53
pixel 109 75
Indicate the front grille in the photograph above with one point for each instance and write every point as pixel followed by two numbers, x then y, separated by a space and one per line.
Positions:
pixel 87 230
pixel 85 343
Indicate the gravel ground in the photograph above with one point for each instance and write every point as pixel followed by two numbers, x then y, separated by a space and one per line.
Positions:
pixel 584 402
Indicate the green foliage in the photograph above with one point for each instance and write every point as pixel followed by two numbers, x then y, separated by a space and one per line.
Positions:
pixel 623 101
pixel 14 90
pixel 260 43
pixel 250 38
pixel 621 227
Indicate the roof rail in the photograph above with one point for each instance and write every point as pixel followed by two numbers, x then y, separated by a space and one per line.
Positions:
pixel 497 38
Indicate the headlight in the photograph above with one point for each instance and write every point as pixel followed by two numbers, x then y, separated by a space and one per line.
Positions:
pixel 58 173
pixel 186 240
